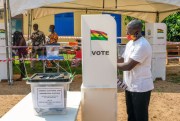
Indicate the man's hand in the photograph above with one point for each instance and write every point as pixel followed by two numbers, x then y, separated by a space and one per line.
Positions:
pixel 127 66
pixel 120 60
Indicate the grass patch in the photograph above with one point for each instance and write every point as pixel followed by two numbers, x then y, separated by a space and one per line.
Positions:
pixel 39 66
pixel 175 79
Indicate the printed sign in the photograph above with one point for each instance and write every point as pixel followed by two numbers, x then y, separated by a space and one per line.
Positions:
pixel 160 31
pixel 160 37
pixel 149 32
pixel 49 97
pixel 2 38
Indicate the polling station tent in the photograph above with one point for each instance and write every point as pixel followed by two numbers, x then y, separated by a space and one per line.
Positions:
pixel 18 7
pixel 148 10
pixel 1 5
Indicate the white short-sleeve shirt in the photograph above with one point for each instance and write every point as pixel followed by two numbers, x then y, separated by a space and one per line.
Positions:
pixel 139 79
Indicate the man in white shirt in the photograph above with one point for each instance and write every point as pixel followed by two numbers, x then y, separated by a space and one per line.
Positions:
pixel 136 64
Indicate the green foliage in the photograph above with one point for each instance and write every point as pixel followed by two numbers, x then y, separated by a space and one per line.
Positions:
pixel 39 66
pixel 173 27
pixel 129 18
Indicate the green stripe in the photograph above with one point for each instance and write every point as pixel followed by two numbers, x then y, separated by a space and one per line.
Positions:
pixel 100 37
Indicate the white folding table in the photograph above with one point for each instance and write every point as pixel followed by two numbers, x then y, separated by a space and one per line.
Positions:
pixel 23 111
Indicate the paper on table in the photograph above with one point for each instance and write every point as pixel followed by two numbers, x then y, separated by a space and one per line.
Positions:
pixel 49 97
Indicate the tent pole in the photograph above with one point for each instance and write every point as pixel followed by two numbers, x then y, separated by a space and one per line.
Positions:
pixel 6 37
pixel 157 17
pixel 86 10
pixel 116 3
pixel 98 9
pixel 28 25
pixel 173 10
pixel 103 3
pixel 31 22
pixel 10 42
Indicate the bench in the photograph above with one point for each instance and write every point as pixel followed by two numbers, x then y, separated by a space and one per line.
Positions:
pixel 173 51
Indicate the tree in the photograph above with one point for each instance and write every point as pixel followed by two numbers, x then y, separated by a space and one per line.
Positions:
pixel 173 27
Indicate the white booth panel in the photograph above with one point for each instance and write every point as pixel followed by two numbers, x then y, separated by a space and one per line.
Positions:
pixel 99 104
pixel 3 67
pixel 99 55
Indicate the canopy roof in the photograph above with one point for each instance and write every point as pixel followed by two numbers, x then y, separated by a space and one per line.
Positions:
pixel 1 5
pixel 148 10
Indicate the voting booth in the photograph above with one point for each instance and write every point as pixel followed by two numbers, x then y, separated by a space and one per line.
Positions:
pixel 156 34
pixel 3 65
pixel 99 65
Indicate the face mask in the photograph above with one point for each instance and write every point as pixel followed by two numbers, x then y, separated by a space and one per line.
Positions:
pixel 130 37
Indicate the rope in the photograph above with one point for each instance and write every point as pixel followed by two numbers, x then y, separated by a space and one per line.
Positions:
pixel 18 68
pixel 21 59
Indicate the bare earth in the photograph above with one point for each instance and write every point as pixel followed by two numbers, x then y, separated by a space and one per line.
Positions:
pixel 164 105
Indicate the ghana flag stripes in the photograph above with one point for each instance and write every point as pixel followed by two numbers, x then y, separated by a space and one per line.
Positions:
pixel 98 35
pixel 2 31
pixel 160 31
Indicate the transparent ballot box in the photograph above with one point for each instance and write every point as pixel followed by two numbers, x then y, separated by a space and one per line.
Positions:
pixel 52 49
pixel 49 92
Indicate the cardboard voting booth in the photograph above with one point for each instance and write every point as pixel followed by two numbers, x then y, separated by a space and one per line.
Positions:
pixel 156 34
pixel 99 65
pixel 99 51
pixel 3 65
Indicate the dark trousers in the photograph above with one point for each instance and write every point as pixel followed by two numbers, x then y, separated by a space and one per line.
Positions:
pixel 21 65
pixel 137 105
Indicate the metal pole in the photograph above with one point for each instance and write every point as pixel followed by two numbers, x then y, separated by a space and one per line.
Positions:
pixel 6 36
pixel 10 42
pixel 86 10
pixel 28 25
pixel 157 17
pixel 31 22
pixel 116 3
pixel 103 3
pixel 99 9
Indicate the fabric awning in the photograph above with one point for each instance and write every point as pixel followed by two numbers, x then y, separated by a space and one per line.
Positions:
pixel 148 10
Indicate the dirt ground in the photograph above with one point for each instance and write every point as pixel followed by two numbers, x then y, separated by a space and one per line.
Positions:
pixel 164 105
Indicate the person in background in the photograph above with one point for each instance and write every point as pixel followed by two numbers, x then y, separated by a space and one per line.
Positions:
pixel 76 61
pixel 18 40
pixel 79 42
pixel 38 40
pixel 52 39
pixel 136 64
